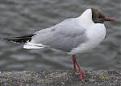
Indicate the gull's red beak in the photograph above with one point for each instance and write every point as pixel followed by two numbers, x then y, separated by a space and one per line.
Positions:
pixel 109 19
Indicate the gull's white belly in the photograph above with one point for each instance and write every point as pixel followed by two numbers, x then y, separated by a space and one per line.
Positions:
pixel 96 34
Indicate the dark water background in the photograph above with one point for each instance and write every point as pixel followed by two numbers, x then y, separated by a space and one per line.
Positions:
pixel 20 17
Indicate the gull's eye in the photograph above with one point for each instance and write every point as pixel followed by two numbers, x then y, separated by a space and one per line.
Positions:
pixel 99 16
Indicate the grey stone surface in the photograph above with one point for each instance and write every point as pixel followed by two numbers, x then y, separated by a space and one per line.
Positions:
pixel 60 78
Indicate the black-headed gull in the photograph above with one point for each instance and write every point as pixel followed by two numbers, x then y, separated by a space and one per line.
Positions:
pixel 73 35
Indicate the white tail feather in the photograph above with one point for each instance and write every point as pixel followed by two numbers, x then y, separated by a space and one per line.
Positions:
pixel 30 45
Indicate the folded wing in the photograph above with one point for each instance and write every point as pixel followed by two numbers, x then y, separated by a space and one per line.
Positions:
pixel 63 36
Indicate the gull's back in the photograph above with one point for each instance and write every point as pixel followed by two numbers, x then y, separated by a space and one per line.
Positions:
pixel 64 36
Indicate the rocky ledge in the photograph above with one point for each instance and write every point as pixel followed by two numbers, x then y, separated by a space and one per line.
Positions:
pixel 60 78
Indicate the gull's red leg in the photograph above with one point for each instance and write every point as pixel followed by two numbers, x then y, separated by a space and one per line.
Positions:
pixel 82 73
pixel 77 68
pixel 74 62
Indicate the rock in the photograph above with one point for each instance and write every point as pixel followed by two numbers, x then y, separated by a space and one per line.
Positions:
pixel 60 78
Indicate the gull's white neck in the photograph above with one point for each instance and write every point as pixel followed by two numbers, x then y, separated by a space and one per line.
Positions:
pixel 86 18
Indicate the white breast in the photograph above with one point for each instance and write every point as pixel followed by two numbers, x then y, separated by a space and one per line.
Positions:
pixel 96 34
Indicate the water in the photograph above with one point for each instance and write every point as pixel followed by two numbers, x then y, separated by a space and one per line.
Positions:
pixel 20 17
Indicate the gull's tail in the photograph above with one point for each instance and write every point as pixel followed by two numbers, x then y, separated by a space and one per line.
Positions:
pixel 20 39
pixel 26 40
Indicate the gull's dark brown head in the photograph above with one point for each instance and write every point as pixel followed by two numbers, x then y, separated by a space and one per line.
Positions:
pixel 98 17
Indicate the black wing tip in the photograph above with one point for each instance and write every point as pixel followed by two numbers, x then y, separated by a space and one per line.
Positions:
pixel 20 39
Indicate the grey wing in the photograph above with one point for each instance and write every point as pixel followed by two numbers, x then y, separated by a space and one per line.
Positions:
pixel 63 36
